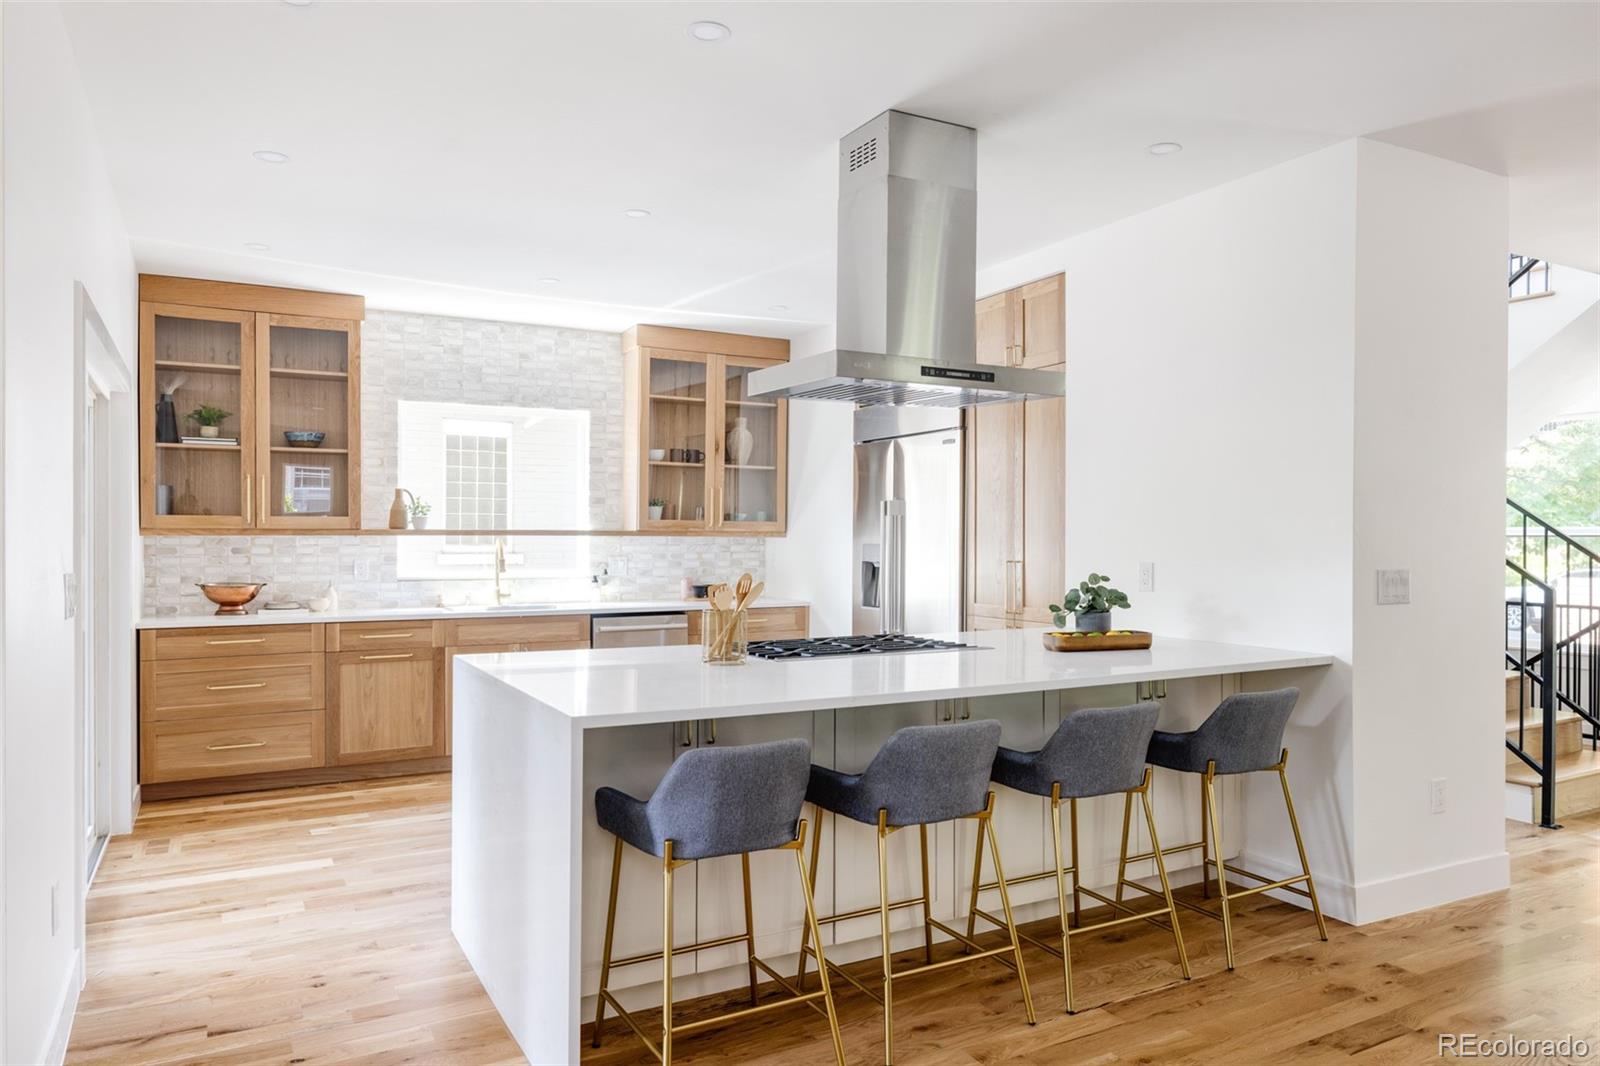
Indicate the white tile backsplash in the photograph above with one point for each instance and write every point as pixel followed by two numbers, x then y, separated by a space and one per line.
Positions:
pixel 406 356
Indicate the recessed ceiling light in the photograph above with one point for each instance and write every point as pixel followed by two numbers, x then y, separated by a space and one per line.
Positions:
pixel 549 281
pixel 266 156
pixel 257 246
pixel 778 307
pixel 1166 148
pixel 706 30
pixel 636 212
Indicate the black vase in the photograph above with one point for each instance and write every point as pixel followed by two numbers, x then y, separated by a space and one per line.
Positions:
pixel 166 421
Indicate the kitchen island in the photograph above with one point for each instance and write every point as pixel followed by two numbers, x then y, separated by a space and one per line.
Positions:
pixel 536 734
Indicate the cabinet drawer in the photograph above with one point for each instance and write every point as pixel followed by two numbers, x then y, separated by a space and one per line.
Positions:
pixel 545 629
pixel 221 642
pixel 765 623
pixel 204 688
pixel 227 746
pixel 362 636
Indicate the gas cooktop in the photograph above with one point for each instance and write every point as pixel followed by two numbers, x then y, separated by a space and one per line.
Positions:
pixel 824 647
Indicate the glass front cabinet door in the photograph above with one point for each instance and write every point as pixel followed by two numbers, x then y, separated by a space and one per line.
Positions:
pixel 752 439
pixel 676 438
pixel 197 418
pixel 308 417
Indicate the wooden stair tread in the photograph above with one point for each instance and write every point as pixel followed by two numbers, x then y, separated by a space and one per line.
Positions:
pixel 1535 719
pixel 1574 766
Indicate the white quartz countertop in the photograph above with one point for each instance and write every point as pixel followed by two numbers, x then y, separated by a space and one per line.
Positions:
pixel 387 614
pixel 624 686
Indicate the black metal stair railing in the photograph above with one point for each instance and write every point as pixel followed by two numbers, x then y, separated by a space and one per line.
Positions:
pixel 1552 638
pixel 1521 269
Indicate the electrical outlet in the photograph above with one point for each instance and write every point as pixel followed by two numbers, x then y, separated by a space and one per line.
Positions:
pixel 1147 577
pixel 363 569
pixel 1436 796
pixel 617 566
pixel 1394 587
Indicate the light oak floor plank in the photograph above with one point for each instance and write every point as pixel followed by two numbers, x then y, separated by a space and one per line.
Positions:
pixel 311 925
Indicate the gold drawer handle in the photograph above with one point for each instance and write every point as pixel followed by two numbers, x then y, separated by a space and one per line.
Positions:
pixel 236 747
pixel 384 636
pixel 240 640
pixel 229 688
pixel 392 655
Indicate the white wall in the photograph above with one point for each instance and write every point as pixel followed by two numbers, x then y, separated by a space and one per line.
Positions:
pixel 1254 403
pixel 1430 484
pixel 61 225
pixel 812 562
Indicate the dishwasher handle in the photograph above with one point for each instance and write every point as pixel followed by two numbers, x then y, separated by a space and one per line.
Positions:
pixel 650 628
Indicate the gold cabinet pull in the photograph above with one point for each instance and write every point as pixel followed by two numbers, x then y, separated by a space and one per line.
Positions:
pixel 384 636
pixel 229 688
pixel 711 725
pixel 236 747
pixel 688 734
pixel 392 655
pixel 249 501
pixel 240 640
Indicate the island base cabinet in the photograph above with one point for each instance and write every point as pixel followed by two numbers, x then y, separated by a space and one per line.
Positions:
pixel 1021 821
pixel 777 905
pixel 385 706
pixel 631 759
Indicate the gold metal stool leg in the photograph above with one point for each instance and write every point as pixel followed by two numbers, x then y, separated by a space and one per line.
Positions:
pixel 1300 845
pixel 1222 873
pixel 667 869
pixel 883 914
pixel 1122 856
pixel 977 879
pixel 605 957
pixel 811 927
pixel 1205 836
pixel 1061 884
pixel 927 907
pixel 1077 895
pixel 749 926
pixel 1005 904
pixel 1161 868
pixel 805 933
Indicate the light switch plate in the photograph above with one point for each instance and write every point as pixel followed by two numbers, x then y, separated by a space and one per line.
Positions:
pixel 1394 587
pixel 1147 577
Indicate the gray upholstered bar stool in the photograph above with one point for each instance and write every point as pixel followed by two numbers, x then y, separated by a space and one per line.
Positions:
pixel 712 802
pixel 1243 735
pixel 1093 752
pixel 922 775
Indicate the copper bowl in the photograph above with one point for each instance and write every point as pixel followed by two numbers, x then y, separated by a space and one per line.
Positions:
pixel 230 597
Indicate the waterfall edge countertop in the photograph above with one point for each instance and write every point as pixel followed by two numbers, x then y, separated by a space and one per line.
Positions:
pixel 385 614
pixel 627 686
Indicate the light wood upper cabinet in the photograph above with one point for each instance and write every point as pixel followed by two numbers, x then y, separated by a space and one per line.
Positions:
pixel 1025 326
pixel 274 360
pixel 703 455
pixel 1016 461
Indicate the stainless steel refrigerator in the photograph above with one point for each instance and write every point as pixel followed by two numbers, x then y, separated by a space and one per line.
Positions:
pixel 907 554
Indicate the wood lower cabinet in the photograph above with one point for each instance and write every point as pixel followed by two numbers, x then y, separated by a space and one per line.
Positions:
pixel 765 623
pixel 487 636
pixel 385 705
pixel 230 745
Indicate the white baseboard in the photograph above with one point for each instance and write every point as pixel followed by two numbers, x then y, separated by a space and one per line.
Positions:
pixel 1336 897
pixel 66 1010
pixel 1519 804
pixel 1433 887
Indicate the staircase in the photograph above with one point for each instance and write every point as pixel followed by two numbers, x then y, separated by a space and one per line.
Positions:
pixel 1552 651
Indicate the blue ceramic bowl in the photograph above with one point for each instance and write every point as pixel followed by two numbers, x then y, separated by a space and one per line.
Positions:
pixel 303 438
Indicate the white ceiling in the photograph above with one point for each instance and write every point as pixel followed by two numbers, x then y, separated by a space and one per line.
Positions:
pixel 446 157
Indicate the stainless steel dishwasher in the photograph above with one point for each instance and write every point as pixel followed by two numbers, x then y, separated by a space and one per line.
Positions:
pixel 638 630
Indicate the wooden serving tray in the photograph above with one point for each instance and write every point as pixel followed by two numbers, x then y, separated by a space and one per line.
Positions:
pixel 1123 640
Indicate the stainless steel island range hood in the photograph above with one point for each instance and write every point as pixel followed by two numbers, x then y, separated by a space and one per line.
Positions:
pixel 908 222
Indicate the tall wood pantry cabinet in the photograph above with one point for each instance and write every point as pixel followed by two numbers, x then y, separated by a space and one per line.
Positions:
pixel 1016 509
pixel 244 365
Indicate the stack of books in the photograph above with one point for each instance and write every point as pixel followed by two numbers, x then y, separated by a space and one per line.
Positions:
pixel 221 442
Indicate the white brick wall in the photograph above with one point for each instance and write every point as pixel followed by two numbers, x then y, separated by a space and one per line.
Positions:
pixel 427 357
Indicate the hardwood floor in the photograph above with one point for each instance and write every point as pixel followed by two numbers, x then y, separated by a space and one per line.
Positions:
pixel 312 925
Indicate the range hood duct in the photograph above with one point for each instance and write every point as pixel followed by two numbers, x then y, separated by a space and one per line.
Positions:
pixel 908 226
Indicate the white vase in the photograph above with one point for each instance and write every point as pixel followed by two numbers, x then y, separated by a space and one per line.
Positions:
pixel 741 442
pixel 655 511
pixel 419 521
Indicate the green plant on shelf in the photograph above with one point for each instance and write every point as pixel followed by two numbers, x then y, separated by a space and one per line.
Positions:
pixel 288 503
pixel 419 507
pixel 1092 596
pixel 206 415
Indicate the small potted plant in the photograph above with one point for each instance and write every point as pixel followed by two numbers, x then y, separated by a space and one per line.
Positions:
pixel 657 508
pixel 1091 602
pixel 419 509
pixel 209 419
